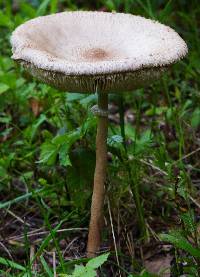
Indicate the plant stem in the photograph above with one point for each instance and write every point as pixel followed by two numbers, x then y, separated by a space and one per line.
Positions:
pixel 131 176
pixel 122 123
pixel 96 219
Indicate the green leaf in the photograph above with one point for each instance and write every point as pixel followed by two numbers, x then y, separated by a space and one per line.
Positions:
pixel 141 144
pixel 3 172
pixel 54 4
pixel 89 273
pixel 90 269
pixel 19 199
pixel 70 97
pixel 46 241
pixel 43 8
pixel 195 120
pixel 3 88
pixel 115 140
pixel 98 261
pixel 11 264
pixel 189 221
pixel 181 190
pixel 64 157
pixel 46 267
pixel 79 270
pixel 179 241
pixel 60 145
pixel 88 100
pixel 110 5
pixel 5 20
pixel 48 153
pixel 31 131
pixel 5 119
pixel 166 11
pixel 79 177
pixel 88 124
pixel 28 9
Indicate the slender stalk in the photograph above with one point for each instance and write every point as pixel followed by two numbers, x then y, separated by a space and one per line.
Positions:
pixel 122 123
pixel 96 219
pixel 131 176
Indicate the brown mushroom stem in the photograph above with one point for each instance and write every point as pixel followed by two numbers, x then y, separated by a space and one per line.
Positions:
pixel 94 236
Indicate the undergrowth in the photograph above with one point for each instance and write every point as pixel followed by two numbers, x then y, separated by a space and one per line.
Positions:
pixel 47 157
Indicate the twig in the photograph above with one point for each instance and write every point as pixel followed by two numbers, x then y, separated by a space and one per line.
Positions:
pixel 32 233
pixel 54 264
pixel 156 237
pixel 18 218
pixel 153 166
pixel 195 201
pixel 32 253
pixel 6 250
pixel 69 245
pixel 187 155
pixel 113 234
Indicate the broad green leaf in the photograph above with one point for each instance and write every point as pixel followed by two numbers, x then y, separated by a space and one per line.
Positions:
pixel 179 241
pixel 98 261
pixel 60 145
pixel 79 270
pixel 3 88
pixel 88 273
pixel 48 154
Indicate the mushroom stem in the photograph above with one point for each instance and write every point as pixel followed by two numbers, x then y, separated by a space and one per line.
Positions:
pixel 96 219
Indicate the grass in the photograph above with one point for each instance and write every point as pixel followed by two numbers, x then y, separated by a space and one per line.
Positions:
pixel 47 156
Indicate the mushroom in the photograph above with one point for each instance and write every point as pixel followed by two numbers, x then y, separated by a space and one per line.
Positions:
pixel 96 52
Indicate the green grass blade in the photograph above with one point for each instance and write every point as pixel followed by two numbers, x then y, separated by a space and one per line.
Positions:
pixel 23 197
pixel 43 8
pixel 46 267
pixel 11 264
pixel 54 5
pixel 46 241
pixel 166 11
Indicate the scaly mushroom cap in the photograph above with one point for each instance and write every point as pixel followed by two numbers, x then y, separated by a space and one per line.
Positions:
pixel 82 51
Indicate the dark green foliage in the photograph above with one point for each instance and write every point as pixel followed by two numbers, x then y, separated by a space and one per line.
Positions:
pixel 47 157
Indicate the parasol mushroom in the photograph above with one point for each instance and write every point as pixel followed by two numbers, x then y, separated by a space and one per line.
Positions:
pixel 96 52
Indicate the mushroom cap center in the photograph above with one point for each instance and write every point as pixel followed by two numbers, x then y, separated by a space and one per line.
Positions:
pixel 96 54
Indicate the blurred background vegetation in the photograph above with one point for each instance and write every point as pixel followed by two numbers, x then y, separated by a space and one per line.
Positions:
pixel 47 156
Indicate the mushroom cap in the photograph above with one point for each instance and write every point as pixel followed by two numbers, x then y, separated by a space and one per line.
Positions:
pixel 85 51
